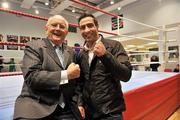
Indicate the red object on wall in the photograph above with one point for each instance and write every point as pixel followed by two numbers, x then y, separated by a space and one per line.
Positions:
pixel 167 70
pixel 156 101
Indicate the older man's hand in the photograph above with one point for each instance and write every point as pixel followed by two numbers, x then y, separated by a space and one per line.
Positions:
pixel 73 71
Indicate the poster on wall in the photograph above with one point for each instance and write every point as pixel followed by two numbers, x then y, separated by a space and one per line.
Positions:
pixel 35 38
pixel 175 52
pixel 114 22
pixel 24 39
pixel 1 40
pixel 12 38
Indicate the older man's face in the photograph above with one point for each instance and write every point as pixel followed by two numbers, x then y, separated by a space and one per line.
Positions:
pixel 56 29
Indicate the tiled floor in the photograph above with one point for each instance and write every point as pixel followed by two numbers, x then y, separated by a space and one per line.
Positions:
pixel 175 115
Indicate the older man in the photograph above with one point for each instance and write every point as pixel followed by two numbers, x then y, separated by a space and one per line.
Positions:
pixel 50 74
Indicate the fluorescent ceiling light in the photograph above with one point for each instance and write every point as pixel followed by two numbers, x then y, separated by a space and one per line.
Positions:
pixel 119 8
pixel 73 10
pixel 46 2
pixel 37 11
pixel 112 2
pixel 5 5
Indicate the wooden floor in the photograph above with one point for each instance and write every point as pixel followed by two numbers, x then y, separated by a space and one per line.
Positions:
pixel 175 115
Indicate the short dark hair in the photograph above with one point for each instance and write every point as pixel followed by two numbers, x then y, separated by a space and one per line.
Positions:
pixel 88 15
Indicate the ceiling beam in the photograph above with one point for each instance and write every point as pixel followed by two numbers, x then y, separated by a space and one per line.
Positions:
pixel 115 6
pixel 63 5
pixel 27 4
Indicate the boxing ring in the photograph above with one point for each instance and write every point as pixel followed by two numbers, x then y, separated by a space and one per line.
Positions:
pixel 148 95
pixel 151 95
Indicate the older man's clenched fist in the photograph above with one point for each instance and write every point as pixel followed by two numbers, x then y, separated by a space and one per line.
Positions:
pixel 73 71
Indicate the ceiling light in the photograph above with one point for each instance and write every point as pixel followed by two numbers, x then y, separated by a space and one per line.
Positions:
pixel 5 5
pixel 119 8
pixel 112 2
pixel 37 11
pixel 73 10
pixel 46 2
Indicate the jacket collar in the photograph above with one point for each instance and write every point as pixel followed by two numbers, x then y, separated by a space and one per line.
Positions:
pixel 86 48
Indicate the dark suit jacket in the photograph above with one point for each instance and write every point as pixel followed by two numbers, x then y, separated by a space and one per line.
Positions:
pixel 42 74
pixel 102 92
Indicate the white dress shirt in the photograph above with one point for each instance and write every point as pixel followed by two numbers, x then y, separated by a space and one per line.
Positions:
pixel 90 50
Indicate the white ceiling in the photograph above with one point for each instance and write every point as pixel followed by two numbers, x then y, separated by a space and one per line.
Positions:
pixel 66 6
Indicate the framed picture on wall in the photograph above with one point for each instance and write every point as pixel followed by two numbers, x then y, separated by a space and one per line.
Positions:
pixel 44 38
pixel 1 40
pixel 35 38
pixel 24 39
pixel 174 53
pixel 12 38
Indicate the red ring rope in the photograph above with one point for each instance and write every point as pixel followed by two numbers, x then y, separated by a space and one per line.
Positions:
pixel 22 44
pixel 42 18
pixel 12 43
pixel 12 74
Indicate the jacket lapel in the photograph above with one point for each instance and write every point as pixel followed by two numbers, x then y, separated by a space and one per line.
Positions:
pixel 66 56
pixel 51 51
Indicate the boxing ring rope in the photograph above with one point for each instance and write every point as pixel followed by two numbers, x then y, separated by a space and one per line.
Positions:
pixel 75 25
pixel 12 43
pixel 148 52
pixel 133 63
pixel 71 24
pixel 141 38
pixel 10 74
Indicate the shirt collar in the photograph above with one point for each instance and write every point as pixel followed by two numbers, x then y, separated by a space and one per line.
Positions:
pixel 89 49
pixel 55 46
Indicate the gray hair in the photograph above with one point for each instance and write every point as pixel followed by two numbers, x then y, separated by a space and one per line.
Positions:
pixel 58 16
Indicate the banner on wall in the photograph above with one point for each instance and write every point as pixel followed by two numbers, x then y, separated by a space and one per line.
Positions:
pixel 114 22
